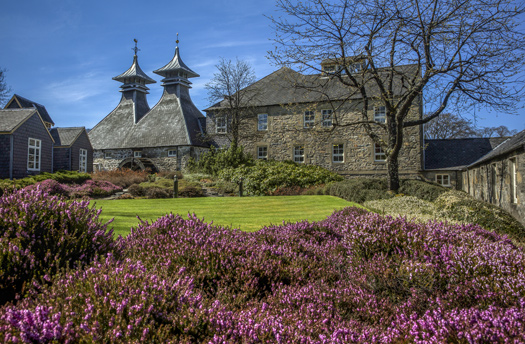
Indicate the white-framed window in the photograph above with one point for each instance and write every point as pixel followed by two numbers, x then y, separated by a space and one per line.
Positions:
pixel 262 152
pixel 262 121
pixel 329 69
pixel 309 119
pixel 137 154
pixel 172 152
pixel 107 155
pixel 221 125
pixel 513 181
pixel 443 179
pixel 338 153
pixel 327 118
pixel 298 154
pixel 82 160
pixel 379 153
pixel 34 153
pixel 380 114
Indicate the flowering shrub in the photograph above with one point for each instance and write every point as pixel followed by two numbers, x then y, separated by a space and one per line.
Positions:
pixel 121 177
pixel 267 176
pixel 40 234
pixel 91 188
pixel 355 277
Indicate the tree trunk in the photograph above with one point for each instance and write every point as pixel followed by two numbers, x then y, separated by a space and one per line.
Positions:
pixel 393 173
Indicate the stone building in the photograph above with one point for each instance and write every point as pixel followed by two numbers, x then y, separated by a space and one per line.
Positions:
pixel 498 176
pixel 162 138
pixel 299 124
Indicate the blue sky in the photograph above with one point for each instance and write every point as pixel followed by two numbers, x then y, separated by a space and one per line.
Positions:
pixel 64 53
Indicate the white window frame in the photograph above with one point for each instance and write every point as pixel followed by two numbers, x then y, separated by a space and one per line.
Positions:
pixel 443 179
pixel 379 153
pixel 309 119
pixel 298 154
pixel 107 155
pixel 172 152
pixel 221 125
pixel 327 117
pixel 513 181
pixel 82 160
pixel 262 122
pixel 137 154
pixel 380 114
pixel 262 152
pixel 338 153
pixel 36 156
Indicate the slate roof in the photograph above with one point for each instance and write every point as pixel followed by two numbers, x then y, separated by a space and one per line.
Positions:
pixel 10 119
pixel 134 72
pixel 278 88
pixel 511 144
pixel 176 65
pixel 29 104
pixel 66 136
pixel 457 153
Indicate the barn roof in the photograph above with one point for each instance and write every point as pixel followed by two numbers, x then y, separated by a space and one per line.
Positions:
pixel 509 145
pixel 66 136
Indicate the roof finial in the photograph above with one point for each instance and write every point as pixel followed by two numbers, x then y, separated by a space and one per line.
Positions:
pixel 177 41
pixel 135 49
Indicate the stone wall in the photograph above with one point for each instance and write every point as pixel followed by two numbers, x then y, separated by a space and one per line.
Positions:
pixel 491 182
pixel 455 177
pixel 286 129
pixel 111 159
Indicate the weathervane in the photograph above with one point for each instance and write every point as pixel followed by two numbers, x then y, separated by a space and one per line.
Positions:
pixel 135 49
pixel 177 41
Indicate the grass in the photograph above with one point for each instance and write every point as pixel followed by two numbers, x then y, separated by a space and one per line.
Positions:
pixel 247 213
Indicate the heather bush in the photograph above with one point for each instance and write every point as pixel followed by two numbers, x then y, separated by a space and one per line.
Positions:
pixel 62 177
pixel 40 234
pixel 136 190
pixel 157 192
pixel 91 188
pixel 356 277
pixel 267 176
pixel 121 177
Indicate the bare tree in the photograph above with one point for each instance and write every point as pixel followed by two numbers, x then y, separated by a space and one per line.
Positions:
pixel 459 52
pixel 496 131
pixel 4 89
pixel 228 89
pixel 449 126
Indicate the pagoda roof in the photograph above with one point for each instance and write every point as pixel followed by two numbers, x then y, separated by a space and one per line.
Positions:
pixel 176 65
pixel 134 72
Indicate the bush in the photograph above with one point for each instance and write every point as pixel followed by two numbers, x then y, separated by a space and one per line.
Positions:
pixel 265 177
pixel 360 190
pixel 121 177
pixel 462 207
pixel 156 192
pixel 421 189
pixel 215 160
pixel 170 174
pixel 91 188
pixel 356 277
pixel 62 177
pixel 41 234
pixel 136 190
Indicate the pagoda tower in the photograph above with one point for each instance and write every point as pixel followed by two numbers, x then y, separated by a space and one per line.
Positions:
pixel 134 87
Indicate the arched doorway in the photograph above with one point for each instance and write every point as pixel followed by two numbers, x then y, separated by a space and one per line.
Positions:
pixel 137 164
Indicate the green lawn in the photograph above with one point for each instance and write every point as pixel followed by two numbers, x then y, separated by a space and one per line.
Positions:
pixel 247 213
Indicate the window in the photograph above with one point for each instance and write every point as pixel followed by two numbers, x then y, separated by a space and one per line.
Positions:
pixel 34 154
pixel 172 152
pixel 309 118
pixel 443 179
pixel 82 164
pixel 327 118
pixel 380 114
pixel 262 153
pixel 513 181
pixel 298 154
pixel 107 155
pixel 137 154
pixel 338 153
pixel 329 69
pixel 221 126
pixel 262 121
pixel 379 154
